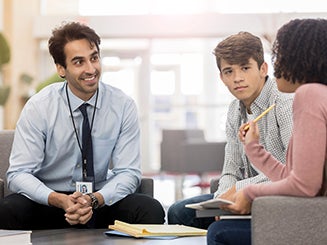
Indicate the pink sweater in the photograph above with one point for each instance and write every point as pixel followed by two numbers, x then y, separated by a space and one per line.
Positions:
pixel 306 154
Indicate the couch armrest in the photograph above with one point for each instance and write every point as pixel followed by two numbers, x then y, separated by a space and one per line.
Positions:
pixel 146 186
pixel 214 183
pixel 2 189
pixel 289 220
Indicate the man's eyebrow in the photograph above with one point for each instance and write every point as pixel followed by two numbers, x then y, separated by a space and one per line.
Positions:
pixel 95 53
pixel 246 64
pixel 81 57
pixel 77 58
pixel 227 68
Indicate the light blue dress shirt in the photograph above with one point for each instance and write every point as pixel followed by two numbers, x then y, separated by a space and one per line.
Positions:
pixel 45 154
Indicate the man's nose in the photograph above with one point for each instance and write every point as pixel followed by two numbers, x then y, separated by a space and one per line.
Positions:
pixel 238 76
pixel 89 67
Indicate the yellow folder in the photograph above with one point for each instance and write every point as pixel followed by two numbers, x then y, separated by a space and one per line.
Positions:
pixel 145 230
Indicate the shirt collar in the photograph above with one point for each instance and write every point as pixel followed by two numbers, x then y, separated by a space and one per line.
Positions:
pixel 76 102
pixel 262 101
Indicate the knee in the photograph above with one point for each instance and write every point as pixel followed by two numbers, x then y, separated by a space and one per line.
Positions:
pixel 155 213
pixel 215 233
pixel 16 203
pixel 229 232
pixel 159 212
pixel 4 207
pixel 174 212
pixel 14 211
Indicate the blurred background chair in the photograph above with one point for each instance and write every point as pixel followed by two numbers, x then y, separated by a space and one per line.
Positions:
pixel 186 151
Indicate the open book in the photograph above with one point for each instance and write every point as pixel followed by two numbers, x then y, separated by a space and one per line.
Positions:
pixel 156 230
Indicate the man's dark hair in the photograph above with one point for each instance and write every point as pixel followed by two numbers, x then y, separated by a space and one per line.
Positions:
pixel 239 48
pixel 66 33
pixel 300 51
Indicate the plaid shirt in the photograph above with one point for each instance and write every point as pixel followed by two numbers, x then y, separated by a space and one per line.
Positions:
pixel 275 131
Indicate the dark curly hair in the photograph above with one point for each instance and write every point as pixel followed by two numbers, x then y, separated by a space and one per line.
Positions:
pixel 66 33
pixel 300 51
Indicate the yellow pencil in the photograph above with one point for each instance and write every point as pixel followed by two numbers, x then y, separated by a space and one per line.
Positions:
pixel 261 115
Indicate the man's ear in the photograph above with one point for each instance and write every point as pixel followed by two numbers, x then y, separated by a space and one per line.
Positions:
pixel 264 69
pixel 61 71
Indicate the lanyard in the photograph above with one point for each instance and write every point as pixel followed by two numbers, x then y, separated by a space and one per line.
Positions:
pixel 83 153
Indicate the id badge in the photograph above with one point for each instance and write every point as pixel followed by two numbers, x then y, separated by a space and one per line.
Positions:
pixel 84 187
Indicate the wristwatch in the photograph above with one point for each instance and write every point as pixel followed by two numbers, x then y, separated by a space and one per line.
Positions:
pixel 94 201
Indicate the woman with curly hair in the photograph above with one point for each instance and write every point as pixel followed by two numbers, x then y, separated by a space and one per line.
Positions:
pixel 300 66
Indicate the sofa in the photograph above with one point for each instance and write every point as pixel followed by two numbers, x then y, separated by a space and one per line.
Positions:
pixel 6 139
pixel 283 220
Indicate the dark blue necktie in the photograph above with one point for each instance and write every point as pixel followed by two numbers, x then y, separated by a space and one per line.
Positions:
pixel 87 149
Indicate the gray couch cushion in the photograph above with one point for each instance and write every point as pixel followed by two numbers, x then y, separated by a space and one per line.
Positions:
pixel 6 139
pixel 289 220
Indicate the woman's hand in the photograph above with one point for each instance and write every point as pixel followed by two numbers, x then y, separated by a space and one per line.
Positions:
pixel 248 135
pixel 242 205
pixel 229 194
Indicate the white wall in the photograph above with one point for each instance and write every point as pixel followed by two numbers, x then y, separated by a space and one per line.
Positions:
pixel 210 25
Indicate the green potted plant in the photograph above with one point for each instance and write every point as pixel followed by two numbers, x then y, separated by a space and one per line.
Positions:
pixel 52 79
pixel 4 59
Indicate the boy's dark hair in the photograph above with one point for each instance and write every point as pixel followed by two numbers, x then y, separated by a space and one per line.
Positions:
pixel 300 51
pixel 66 33
pixel 239 48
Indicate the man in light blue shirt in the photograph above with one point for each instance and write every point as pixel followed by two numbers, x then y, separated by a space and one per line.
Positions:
pixel 46 164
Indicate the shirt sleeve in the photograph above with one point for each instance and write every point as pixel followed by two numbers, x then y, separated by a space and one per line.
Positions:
pixel 26 155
